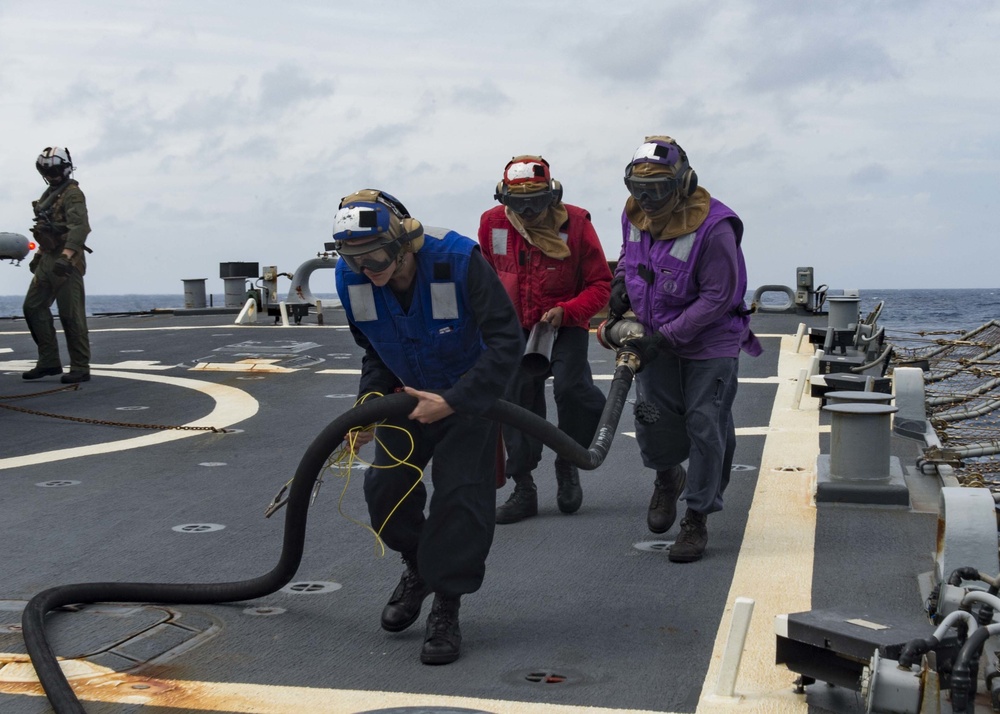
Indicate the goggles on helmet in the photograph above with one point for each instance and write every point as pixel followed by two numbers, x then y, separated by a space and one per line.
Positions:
pixel 521 203
pixel 652 189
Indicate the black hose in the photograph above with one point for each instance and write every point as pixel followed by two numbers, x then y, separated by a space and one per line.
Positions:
pixel 50 675
pixel 965 672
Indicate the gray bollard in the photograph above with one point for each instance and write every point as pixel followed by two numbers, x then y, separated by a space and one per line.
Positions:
pixel 236 291
pixel 859 467
pixel 843 311
pixel 857 397
pixel 194 293
pixel 859 441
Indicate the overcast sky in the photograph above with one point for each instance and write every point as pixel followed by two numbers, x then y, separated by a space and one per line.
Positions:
pixel 861 138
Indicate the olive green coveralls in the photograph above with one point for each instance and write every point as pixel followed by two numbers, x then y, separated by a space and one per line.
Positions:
pixel 61 222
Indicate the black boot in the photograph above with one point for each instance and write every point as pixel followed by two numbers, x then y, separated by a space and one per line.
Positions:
pixel 569 495
pixel 690 544
pixel 523 502
pixel 403 607
pixel 443 641
pixel 39 372
pixel 663 505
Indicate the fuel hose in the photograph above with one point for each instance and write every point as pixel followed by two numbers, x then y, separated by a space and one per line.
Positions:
pixel 50 675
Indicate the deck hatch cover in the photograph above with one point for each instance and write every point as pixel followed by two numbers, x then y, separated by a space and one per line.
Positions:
pixel 278 348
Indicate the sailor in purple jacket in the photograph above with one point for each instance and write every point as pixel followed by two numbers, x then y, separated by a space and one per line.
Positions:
pixel 681 271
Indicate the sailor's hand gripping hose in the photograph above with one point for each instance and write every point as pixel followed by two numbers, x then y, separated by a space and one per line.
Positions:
pixel 54 682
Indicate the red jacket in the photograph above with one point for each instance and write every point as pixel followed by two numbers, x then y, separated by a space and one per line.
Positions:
pixel 580 284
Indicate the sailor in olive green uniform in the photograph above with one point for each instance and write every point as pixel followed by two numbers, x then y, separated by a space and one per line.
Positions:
pixel 61 229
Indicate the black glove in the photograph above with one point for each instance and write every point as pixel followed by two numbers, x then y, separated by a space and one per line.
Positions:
pixel 62 266
pixel 35 260
pixel 619 304
pixel 647 347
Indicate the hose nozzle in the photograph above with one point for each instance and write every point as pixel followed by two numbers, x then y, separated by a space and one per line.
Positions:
pixel 613 333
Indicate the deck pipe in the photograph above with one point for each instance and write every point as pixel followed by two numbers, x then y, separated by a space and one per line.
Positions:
pixel 50 675
pixel 965 673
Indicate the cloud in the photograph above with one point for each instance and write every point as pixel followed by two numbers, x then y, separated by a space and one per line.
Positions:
pixel 870 174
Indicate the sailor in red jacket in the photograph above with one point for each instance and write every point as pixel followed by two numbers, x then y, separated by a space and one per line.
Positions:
pixel 550 261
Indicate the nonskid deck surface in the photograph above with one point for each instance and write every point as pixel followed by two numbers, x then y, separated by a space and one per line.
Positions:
pixel 576 611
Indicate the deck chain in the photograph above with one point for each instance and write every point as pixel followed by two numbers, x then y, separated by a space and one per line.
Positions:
pixel 84 420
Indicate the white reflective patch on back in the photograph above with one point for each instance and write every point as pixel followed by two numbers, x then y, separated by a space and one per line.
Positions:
pixel 681 249
pixel 435 232
pixel 362 302
pixel 444 303
pixel 498 238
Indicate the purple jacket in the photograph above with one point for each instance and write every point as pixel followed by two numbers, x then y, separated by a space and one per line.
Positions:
pixel 691 288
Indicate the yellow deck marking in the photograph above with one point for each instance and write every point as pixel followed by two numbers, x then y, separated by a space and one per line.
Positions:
pixel 247 698
pixel 775 564
pixel 231 406
pixel 253 365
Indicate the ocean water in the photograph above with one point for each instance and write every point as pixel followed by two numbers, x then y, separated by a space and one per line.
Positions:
pixel 923 310
pixel 10 305
pixel 902 311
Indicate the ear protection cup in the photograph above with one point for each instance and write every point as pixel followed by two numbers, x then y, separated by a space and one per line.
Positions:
pixel 689 183
pixel 500 192
pixel 557 191
pixel 413 236
pixel 689 179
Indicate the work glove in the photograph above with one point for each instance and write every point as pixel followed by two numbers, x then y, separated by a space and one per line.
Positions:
pixel 647 347
pixel 618 303
pixel 35 260
pixel 62 266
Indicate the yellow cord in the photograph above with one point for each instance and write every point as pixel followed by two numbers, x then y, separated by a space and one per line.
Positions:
pixel 341 463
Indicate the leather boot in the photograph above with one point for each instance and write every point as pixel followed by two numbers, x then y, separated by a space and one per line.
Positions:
pixel 569 495
pixel 523 502
pixel 690 544
pixel 39 372
pixel 663 505
pixel 404 605
pixel 443 641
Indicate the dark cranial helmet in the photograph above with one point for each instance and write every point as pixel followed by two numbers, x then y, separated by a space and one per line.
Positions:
pixel 54 164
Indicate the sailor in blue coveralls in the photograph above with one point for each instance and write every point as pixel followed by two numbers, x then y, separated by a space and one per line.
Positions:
pixel 435 321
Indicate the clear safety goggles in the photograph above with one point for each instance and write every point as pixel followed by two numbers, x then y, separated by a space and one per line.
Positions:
pixel 374 261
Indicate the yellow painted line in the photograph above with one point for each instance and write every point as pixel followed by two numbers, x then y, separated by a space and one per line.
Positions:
pixel 248 698
pixel 775 564
pixel 338 371
pixel 232 405
pixel 767 430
